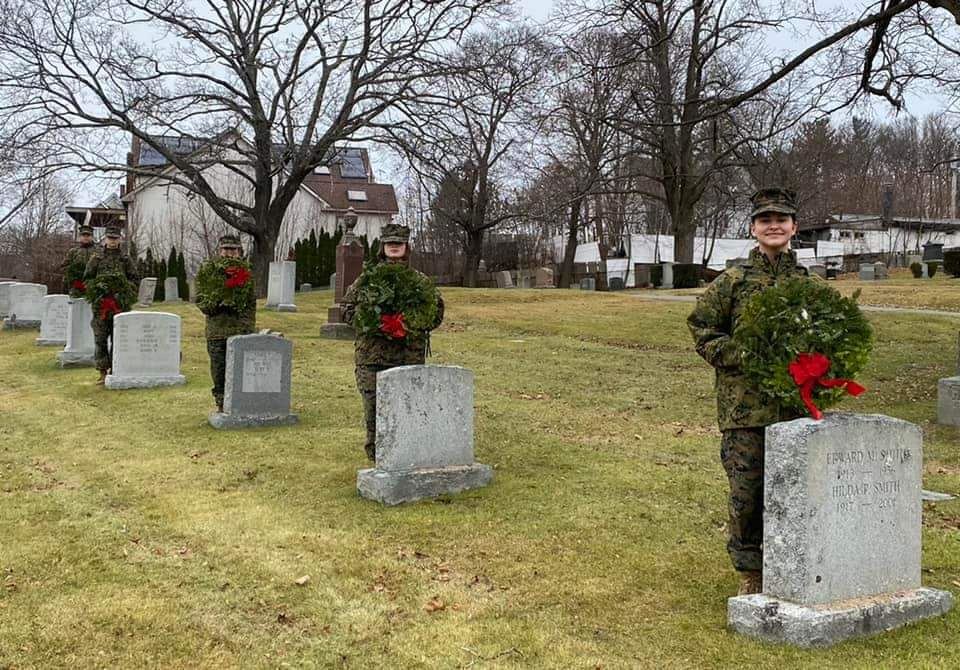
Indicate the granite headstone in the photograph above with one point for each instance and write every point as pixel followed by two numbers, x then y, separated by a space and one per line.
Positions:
pixel 81 346
pixel 257 383
pixel 504 280
pixel 667 277
pixel 280 286
pixel 588 284
pixel 841 533
pixel 148 287
pixel 5 297
pixel 53 325
pixel 948 401
pixel 868 272
pixel 424 436
pixel 146 351
pixel 544 278
pixel 26 306
pixel 171 290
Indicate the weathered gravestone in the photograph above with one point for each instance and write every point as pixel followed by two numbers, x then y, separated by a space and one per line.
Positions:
pixel 192 290
pixel 146 351
pixel 424 436
pixel 280 286
pixel 588 284
pixel 818 270
pixel 349 265
pixel 544 278
pixel 948 401
pixel 171 290
pixel 841 533
pixel 306 288
pixel 868 271
pixel 617 284
pixel 880 271
pixel 525 279
pixel 5 297
pixel 504 280
pixel 148 287
pixel 53 325
pixel 257 383
pixel 26 306
pixel 333 281
pixel 80 348
pixel 667 280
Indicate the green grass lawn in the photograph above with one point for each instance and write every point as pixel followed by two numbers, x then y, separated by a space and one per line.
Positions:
pixel 134 535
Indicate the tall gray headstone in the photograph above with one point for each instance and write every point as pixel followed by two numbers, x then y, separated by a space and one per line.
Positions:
pixel 667 277
pixel 880 271
pixel 148 288
pixel 171 290
pixel 81 346
pixel 192 290
pixel 868 271
pixel 948 401
pixel 504 280
pixel 257 383
pixel 841 533
pixel 544 278
pixel 333 280
pixel 53 325
pixel 5 297
pixel 280 286
pixel 588 284
pixel 424 436
pixel 26 306
pixel 146 351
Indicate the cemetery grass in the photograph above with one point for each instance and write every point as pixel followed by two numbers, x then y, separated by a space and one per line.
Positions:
pixel 134 535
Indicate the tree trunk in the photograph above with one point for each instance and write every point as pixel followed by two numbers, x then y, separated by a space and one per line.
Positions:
pixel 684 234
pixel 471 264
pixel 265 243
pixel 570 250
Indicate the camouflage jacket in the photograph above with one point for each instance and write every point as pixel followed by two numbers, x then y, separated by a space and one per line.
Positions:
pixel 104 261
pixel 712 323
pixel 376 350
pixel 223 322
pixel 79 256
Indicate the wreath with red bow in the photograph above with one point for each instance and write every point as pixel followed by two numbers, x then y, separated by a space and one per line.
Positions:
pixel 395 301
pixel 225 282
pixel 110 294
pixel 802 343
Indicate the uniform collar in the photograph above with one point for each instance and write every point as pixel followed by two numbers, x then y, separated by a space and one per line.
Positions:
pixel 785 260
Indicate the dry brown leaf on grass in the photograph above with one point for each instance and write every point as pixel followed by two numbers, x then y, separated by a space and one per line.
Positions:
pixel 435 605
pixel 302 581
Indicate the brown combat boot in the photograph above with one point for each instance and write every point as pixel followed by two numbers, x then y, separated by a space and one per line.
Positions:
pixel 751 581
pixel 103 378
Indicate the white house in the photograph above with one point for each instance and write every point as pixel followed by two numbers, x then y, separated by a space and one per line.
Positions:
pixel 869 234
pixel 161 214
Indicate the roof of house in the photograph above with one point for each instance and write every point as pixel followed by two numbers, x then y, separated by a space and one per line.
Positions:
pixel 342 194
pixel 875 222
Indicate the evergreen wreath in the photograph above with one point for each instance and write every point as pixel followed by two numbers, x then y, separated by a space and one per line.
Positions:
pixel 110 294
pixel 225 282
pixel 795 332
pixel 394 301
pixel 74 276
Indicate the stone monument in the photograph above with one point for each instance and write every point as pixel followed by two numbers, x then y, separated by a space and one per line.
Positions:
pixel 667 276
pixel 948 401
pixel 880 271
pixel 5 297
pixel 257 383
pixel 146 351
pixel 81 346
pixel 868 272
pixel 53 325
pixel 841 533
pixel 544 278
pixel 26 306
pixel 588 284
pixel 280 286
pixel 424 436
pixel 504 279
pixel 349 267
pixel 171 290
pixel 306 288
pixel 148 287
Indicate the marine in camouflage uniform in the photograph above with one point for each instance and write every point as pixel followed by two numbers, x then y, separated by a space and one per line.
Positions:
pixel 224 322
pixel 742 412
pixel 107 259
pixel 78 256
pixel 374 354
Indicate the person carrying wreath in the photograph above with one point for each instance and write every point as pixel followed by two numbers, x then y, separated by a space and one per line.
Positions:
pixel 742 411
pixel 227 297
pixel 109 279
pixel 76 261
pixel 393 308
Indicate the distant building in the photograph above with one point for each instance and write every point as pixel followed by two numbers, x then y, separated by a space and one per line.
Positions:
pixel 161 214
pixel 871 234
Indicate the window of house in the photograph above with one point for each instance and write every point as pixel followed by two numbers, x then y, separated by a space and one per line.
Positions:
pixel 360 196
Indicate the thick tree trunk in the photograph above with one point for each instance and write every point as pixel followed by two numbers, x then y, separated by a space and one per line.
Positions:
pixel 684 234
pixel 570 250
pixel 471 264
pixel 264 249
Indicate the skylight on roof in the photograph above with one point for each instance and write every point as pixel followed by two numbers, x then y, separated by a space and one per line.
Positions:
pixel 321 169
pixel 357 195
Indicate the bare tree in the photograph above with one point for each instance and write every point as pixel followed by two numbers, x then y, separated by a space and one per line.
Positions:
pixel 262 90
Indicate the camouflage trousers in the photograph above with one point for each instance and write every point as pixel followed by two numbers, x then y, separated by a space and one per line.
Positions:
pixel 367 385
pixel 217 350
pixel 103 340
pixel 741 451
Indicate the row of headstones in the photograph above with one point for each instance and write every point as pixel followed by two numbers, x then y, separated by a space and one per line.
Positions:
pixel 643 278
pixel 873 271
pixel 542 278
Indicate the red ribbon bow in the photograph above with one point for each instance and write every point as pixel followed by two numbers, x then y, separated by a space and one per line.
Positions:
pixel 236 276
pixel 78 285
pixel 808 372
pixel 108 307
pixel 393 325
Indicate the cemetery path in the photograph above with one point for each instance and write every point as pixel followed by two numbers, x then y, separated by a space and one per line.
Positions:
pixel 866 308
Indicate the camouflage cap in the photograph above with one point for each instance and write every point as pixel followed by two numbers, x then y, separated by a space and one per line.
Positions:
pixel 230 242
pixel 774 199
pixel 394 232
pixel 85 230
pixel 113 231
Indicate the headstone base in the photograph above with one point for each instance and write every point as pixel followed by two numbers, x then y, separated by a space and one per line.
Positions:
pixel 282 308
pixel 21 324
pixel 773 620
pixel 116 382
pixel 44 342
pixel 75 359
pixel 948 401
pixel 393 488
pixel 224 421
pixel 337 331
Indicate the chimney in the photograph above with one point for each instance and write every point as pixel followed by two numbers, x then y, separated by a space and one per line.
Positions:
pixel 886 205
